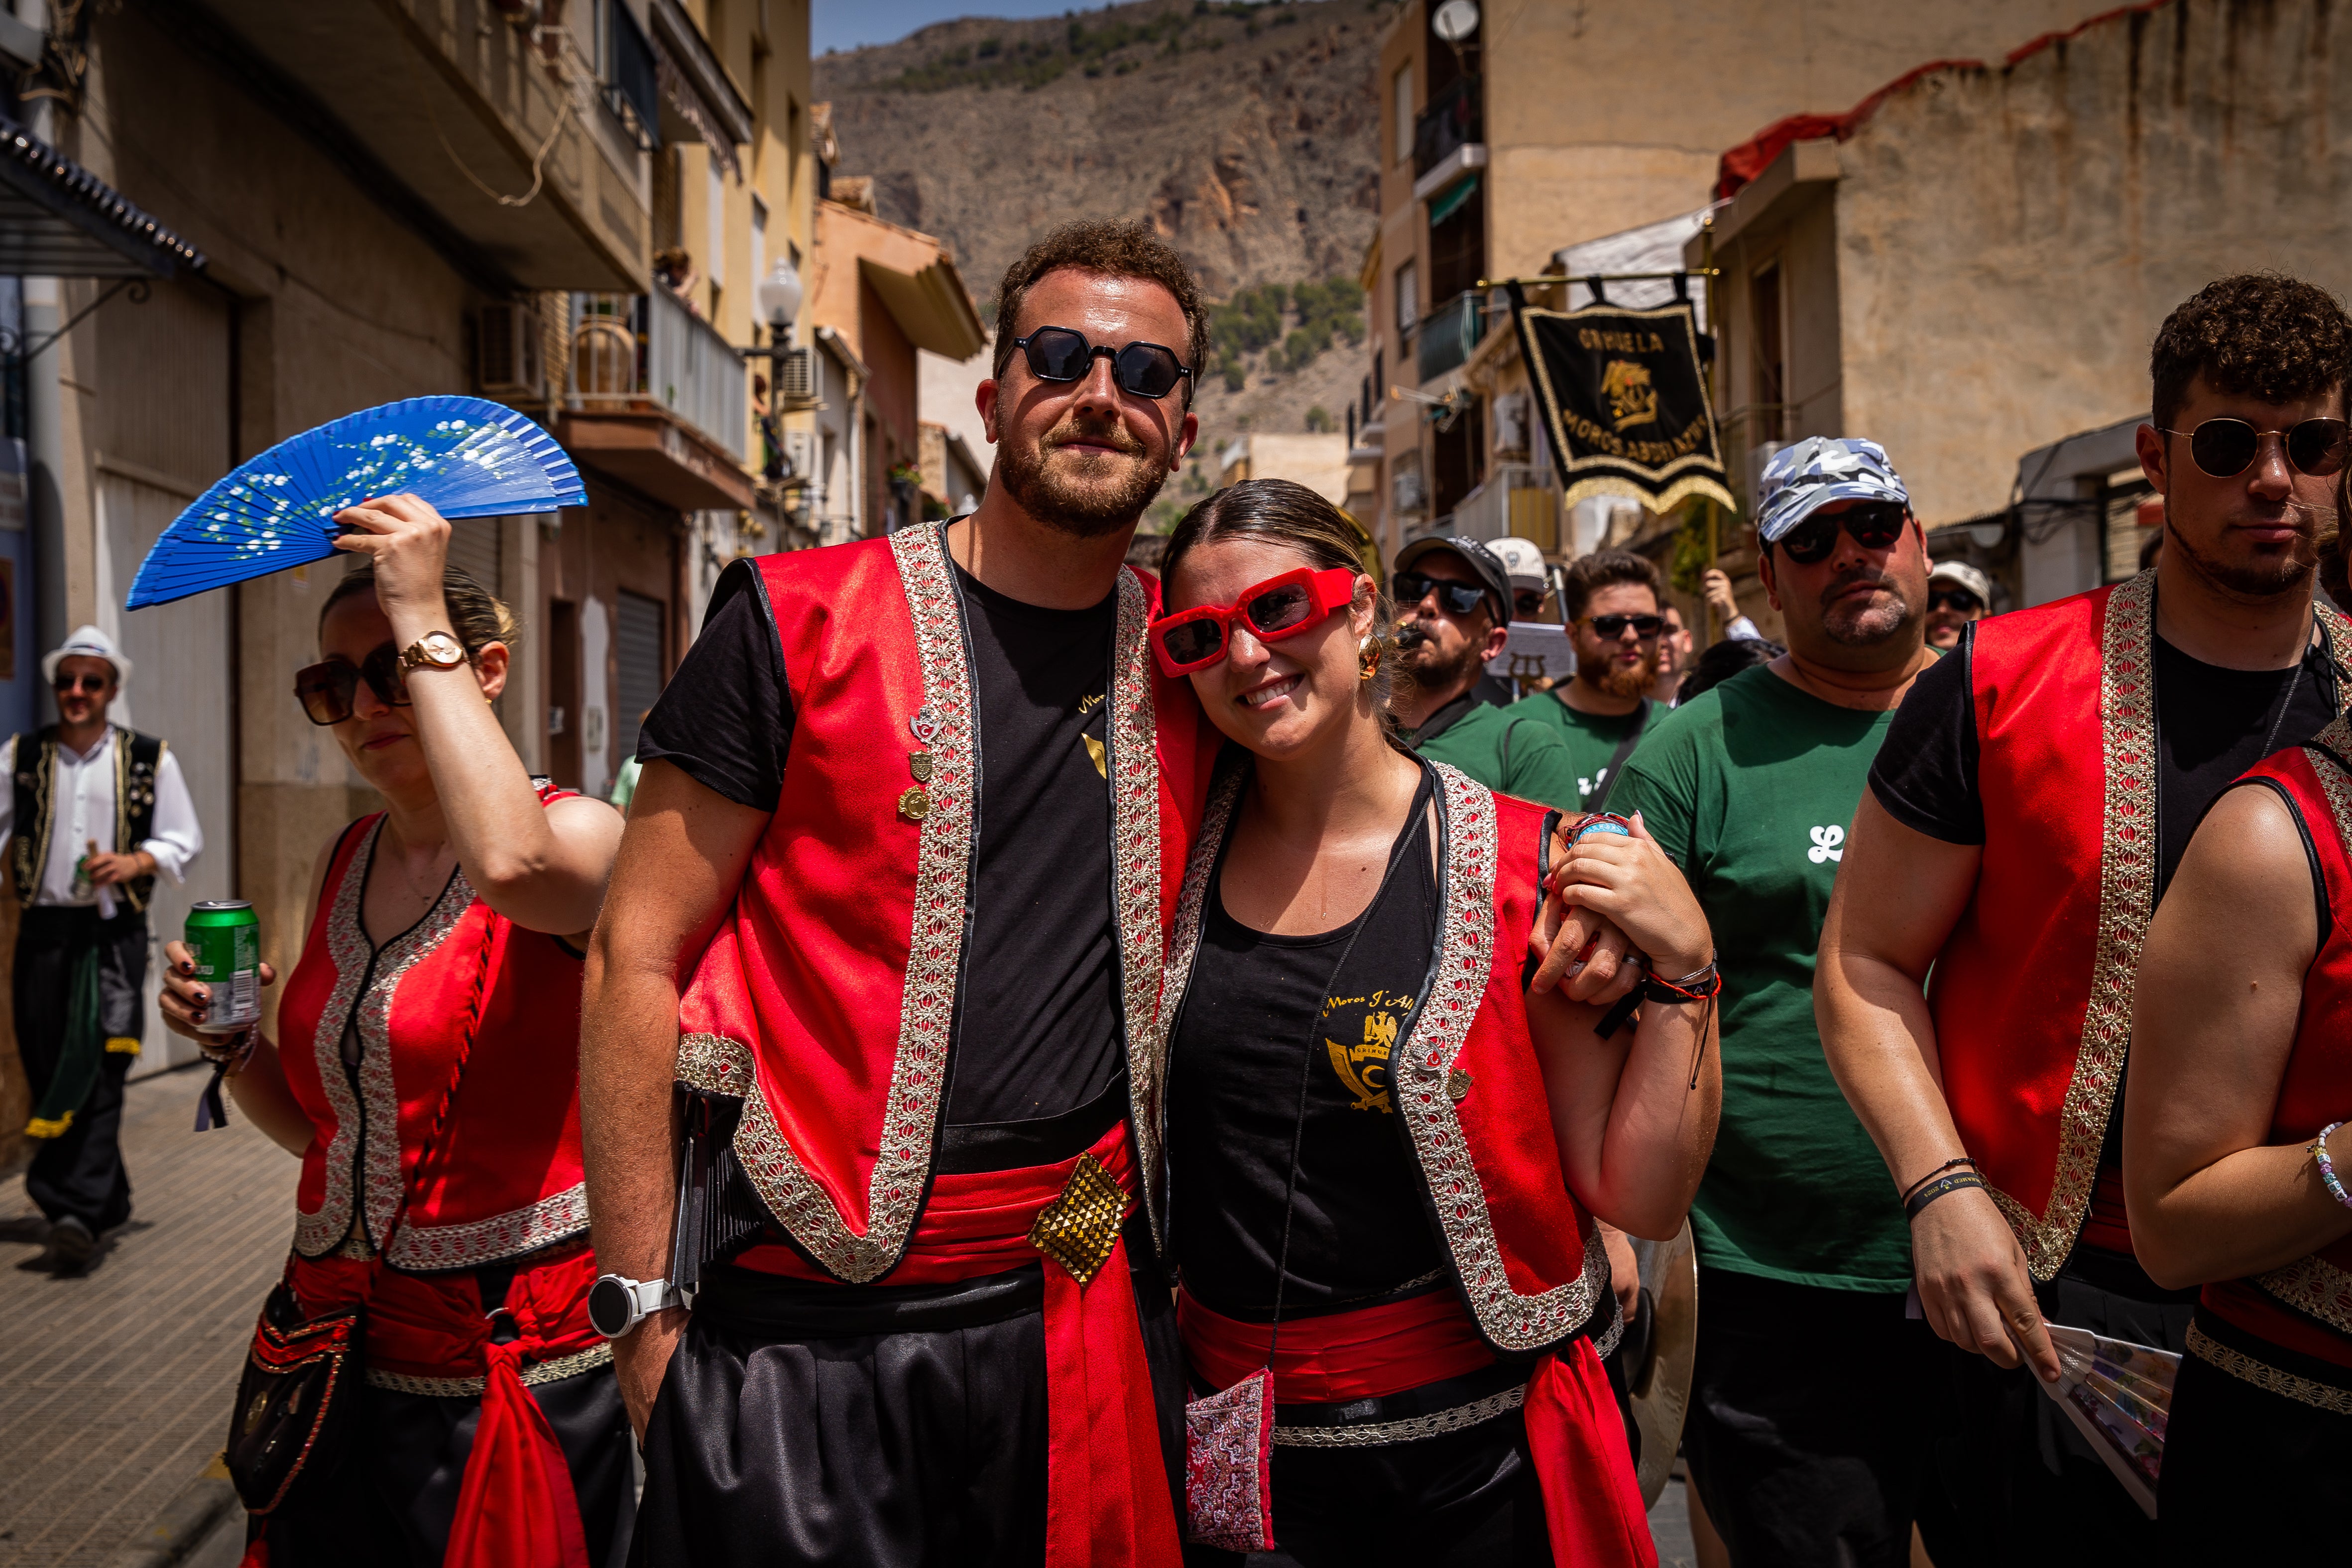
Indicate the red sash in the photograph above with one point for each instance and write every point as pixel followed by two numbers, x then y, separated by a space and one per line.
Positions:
pixel 1592 1499
pixel 1106 1486
pixel 2307 1306
pixel 516 1508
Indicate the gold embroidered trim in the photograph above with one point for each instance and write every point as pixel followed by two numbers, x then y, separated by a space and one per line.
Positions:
pixel 1080 1227
pixel 384 1174
pixel 1379 1434
pixel 431 1248
pixel 2263 1375
pixel 534 1374
pixel 1131 729
pixel 1431 1038
pixel 324 1230
pixel 2126 900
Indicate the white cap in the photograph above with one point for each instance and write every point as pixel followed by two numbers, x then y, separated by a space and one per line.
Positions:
pixel 89 643
pixel 1968 577
pixel 1522 559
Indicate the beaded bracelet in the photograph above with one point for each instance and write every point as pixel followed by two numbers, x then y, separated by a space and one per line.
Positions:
pixel 1940 1186
pixel 2327 1166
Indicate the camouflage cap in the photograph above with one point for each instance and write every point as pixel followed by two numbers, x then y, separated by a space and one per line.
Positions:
pixel 1805 477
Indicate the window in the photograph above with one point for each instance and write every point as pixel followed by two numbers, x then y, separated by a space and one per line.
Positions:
pixel 1772 356
pixel 714 264
pixel 758 240
pixel 1400 96
pixel 1408 299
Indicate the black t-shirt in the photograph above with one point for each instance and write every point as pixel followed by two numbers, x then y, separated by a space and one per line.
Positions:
pixel 1359 1227
pixel 2211 725
pixel 1037 1029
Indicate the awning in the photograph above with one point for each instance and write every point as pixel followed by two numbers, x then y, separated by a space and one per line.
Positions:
pixel 59 220
pixel 931 307
pixel 1446 205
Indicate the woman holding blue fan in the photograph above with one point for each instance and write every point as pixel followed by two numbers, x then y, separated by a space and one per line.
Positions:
pixel 425 1070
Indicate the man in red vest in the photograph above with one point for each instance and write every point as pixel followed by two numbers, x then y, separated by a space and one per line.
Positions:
pixel 2034 795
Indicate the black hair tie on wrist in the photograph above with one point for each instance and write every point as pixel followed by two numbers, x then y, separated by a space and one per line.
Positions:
pixel 1937 1187
pixel 1701 984
pixel 1947 1166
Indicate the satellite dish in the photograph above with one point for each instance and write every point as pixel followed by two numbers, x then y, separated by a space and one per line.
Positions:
pixel 1456 20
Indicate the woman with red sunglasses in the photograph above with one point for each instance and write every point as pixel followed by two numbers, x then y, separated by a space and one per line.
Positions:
pixel 1386 1151
pixel 425 1070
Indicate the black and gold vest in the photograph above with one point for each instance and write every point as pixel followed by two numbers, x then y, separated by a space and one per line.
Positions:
pixel 136 758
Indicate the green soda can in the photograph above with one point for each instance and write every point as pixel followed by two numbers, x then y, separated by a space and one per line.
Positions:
pixel 224 939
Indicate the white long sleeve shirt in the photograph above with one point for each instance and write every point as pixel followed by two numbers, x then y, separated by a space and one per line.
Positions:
pixel 83 798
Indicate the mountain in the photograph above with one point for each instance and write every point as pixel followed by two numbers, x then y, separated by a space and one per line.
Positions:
pixel 1245 134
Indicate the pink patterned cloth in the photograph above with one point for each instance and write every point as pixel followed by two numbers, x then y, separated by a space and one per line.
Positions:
pixel 1228 1473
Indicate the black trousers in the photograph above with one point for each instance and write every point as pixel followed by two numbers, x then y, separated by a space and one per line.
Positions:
pixel 867 1426
pixel 79 1173
pixel 1805 1431
pixel 2025 1486
pixel 392 1501
pixel 2250 1474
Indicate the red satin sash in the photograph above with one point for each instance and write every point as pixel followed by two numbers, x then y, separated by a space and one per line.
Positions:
pixel 516 1508
pixel 1107 1488
pixel 1593 1499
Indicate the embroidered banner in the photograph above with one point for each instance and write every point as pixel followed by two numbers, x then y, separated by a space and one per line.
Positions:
pixel 1624 401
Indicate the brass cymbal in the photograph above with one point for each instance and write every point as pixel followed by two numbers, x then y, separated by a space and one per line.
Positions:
pixel 1660 1386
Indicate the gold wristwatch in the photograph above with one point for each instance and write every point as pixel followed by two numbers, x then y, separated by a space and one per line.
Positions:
pixel 434 650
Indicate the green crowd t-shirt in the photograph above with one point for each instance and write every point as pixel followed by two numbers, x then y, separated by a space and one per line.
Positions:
pixel 1500 750
pixel 1592 739
pixel 1751 787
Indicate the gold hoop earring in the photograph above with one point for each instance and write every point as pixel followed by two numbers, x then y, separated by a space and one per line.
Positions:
pixel 1368 658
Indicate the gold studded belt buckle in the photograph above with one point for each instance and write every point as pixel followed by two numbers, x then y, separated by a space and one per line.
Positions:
pixel 1080 1226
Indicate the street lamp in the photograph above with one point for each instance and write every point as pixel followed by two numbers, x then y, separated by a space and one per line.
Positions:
pixel 778 295
pixel 777 299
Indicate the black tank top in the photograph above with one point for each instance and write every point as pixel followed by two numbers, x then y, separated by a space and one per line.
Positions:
pixel 1360 1224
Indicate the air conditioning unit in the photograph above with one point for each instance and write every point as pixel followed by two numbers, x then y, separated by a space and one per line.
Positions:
pixel 506 352
pixel 796 378
pixel 798 464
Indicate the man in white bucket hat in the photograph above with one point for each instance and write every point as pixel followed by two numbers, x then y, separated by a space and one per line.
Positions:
pixel 95 813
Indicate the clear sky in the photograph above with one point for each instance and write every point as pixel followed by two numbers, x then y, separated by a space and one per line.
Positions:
pixel 847 24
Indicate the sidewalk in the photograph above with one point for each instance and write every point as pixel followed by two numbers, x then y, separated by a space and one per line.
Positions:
pixel 119 1384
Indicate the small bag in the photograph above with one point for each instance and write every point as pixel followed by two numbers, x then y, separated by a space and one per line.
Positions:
pixel 294 1400
pixel 1229 1467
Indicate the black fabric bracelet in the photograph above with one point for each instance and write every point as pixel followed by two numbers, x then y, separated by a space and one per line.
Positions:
pixel 1938 1187
pixel 1947 1166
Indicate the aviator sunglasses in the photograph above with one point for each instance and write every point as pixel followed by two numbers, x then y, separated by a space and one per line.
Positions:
pixel 1062 353
pixel 1872 524
pixel 1276 608
pixel 2226 447
pixel 326 690
pixel 1613 627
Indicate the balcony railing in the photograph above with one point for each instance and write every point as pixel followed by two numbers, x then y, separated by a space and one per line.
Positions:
pixel 631 91
pixel 1452 121
pixel 648 348
pixel 1449 333
pixel 1514 501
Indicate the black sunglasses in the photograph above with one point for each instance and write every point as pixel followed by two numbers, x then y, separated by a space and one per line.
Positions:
pixel 326 689
pixel 1872 524
pixel 1958 599
pixel 2226 447
pixel 67 684
pixel 1060 354
pixel 1646 628
pixel 1455 598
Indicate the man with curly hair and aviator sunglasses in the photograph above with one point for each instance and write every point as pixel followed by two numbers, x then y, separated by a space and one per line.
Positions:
pixel 1977 973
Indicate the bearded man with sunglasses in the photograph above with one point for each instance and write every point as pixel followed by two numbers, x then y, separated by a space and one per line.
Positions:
pixel 2023 818
pixel 889 921
pixel 1601 712
pixel 1800 1457
pixel 97 813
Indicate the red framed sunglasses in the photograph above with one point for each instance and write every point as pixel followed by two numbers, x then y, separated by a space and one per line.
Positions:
pixel 1279 608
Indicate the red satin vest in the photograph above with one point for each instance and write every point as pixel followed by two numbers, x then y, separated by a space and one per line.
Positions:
pixel 505 1176
pixel 2307 1305
pixel 1527 1255
pixel 2033 992
pixel 826 998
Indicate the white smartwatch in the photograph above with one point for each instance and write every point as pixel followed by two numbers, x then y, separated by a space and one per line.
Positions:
pixel 617 1303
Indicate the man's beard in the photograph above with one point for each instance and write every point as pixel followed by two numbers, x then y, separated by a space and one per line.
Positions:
pixel 1870 622
pixel 1083 511
pixel 1431 667
pixel 2263 577
pixel 1629 679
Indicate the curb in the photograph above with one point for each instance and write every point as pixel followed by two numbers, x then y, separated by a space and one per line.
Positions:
pixel 182 1524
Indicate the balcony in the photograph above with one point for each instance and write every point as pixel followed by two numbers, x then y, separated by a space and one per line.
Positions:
pixel 1449 333
pixel 1448 125
pixel 658 400
pixel 1513 502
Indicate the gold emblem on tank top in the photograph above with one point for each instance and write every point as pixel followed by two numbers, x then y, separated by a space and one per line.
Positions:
pixel 915 805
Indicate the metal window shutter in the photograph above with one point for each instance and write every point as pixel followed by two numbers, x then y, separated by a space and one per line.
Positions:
pixel 638 652
pixel 473 545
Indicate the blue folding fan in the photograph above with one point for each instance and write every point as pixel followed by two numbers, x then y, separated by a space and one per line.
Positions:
pixel 465 456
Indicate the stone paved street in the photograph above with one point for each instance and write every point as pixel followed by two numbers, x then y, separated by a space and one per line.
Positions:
pixel 117 1384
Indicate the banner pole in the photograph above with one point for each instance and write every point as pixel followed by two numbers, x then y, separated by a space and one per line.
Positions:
pixel 1715 329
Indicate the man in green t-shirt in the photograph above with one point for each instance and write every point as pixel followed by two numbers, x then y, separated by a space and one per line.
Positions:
pixel 1807 1430
pixel 1453 599
pixel 1602 712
